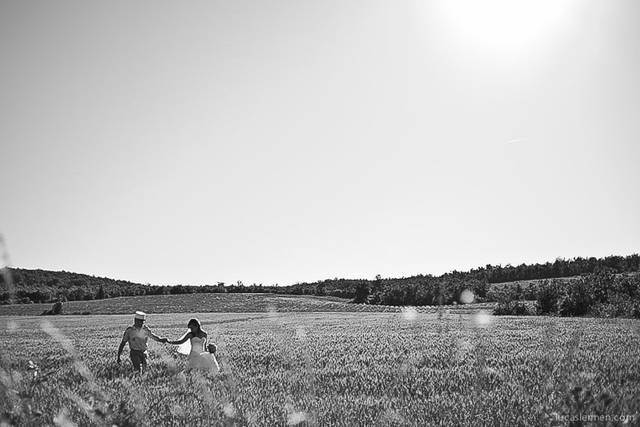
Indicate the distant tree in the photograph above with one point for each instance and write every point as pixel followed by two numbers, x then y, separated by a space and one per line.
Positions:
pixel 101 294
pixel 576 299
pixel 519 292
pixel 54 281
pixel 321 289
pixel 57 308
pixel 547 297
pixel 54 310
pixel 362 292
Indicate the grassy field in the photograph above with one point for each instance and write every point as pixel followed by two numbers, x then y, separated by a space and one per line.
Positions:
pixel 404 368
pixel 216 303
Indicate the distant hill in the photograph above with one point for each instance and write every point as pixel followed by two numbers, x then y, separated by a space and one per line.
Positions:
pixel 43 286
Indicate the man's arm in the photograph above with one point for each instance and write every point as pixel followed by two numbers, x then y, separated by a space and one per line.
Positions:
pixel 155 337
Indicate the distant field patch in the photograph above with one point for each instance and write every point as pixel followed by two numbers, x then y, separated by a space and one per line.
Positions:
pixel 215 303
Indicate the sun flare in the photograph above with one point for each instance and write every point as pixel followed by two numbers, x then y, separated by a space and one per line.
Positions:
pixel 502 25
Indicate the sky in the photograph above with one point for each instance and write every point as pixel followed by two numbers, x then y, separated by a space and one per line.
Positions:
pixel 293 140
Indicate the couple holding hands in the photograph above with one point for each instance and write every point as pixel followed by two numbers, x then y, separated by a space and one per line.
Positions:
pixel 193 343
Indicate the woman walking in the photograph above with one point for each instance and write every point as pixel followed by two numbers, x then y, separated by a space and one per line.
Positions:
pixel 194 344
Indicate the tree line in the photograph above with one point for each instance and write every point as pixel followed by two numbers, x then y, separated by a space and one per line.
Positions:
pixel 446 289
pixel 42 286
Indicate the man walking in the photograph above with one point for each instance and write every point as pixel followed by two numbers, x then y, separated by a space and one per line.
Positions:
pixel 137 336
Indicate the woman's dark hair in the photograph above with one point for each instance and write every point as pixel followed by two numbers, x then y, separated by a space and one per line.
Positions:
pixel 195 322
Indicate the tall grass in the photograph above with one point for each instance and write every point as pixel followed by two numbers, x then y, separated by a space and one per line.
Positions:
pixel 407 368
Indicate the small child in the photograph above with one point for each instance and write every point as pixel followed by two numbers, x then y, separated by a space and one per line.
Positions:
pixel 212 348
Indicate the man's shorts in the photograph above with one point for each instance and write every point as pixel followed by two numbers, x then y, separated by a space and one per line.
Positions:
pixel 138 358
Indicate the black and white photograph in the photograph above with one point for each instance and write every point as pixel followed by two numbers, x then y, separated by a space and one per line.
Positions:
pixel 319 213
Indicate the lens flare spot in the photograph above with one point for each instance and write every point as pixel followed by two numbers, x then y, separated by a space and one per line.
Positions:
pixel 58 336
pixel 409 314
pixel 272 313
pixel 482 318
pixel 301 333
pixel 490 371
pixel 63 420
pixel 294 417
pixel 467 296
pixel 229 410
pixel 177 411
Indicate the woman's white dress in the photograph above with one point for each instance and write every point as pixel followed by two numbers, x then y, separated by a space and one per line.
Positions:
pixel 199 358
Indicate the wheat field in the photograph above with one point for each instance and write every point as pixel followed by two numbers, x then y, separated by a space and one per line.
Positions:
pixel 338 368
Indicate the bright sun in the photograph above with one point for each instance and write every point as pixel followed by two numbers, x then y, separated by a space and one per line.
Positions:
pixel 504 25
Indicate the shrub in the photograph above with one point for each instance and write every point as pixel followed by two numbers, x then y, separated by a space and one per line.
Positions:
pixel 618 306
pixel 504 294
pixel 547 296
pixel 55 309
pixel 635 313
pixel 514 308
pixel 362 292
pixel 576 299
